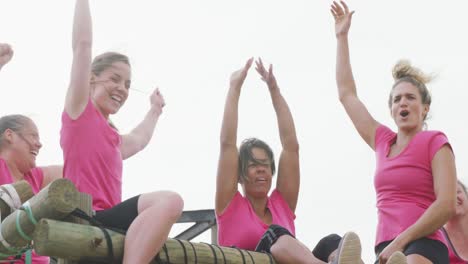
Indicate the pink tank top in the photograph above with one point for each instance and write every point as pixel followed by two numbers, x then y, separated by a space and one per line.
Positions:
pixel 92 158
pixel 34 178
pixel 239 226
pixel 404 183
pixel 453 256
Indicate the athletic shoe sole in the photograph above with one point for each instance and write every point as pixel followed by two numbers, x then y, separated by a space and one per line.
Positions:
pixel 349 250
pixel 397 258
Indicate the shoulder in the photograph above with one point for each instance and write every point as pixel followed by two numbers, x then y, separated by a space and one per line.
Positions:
pixel 90 110
pixel 234 206
pixel 383 134
pixel 433 141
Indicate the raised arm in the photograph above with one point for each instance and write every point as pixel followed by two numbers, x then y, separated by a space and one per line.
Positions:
pixel 79 87
pixel 362 120
pixel 6 53
pixel 227 176
pixel 288 168
pixel 141 135
pixel 440 211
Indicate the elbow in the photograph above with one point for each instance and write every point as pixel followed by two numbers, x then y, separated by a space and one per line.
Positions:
pixel 344 97
pixel 226 143
pixel 84 45
pixel 291 146
pixel 449 209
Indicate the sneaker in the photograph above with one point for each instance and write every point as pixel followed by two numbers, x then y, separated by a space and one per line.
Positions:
pixel 397 258
pixel 349 250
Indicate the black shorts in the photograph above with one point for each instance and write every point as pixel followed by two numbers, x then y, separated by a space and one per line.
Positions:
pixel 270 236
pixel 433 250
pixel 120 216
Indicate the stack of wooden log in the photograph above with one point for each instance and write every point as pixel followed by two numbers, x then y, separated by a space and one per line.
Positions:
pixel 45 223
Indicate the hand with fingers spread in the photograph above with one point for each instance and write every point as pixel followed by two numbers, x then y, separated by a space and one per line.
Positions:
pixel 157 100
pixel 342 17
pixel 267 76
pixel 6 53
pixel 238 77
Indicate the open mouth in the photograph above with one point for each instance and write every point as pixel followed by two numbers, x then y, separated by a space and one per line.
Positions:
pixel 404 113
pixel 117 99
pixel 34 152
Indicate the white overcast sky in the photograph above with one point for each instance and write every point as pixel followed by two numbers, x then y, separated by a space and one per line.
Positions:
pixel 189 48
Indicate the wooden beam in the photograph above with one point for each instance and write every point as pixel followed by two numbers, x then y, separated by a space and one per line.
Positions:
pixel 87 244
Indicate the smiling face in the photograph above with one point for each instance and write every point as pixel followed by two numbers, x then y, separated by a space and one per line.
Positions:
pixel 110 88
pixel 258 175
pixel 407 109
pixel 20 142
pixel 462 201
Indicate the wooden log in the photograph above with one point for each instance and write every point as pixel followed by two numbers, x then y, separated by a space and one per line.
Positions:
pixel 24 191
pixel 86 205
pixel 55 201
pixel 87 244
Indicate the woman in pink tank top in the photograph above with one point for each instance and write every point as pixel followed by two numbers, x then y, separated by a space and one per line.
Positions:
pixel 19 147
pixel 456 230
pixel 256 220
pixel 94 150
pixel 415 177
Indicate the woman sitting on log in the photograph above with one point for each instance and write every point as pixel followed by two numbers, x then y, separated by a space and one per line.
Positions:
pixel 256 220
pixel 94 150
pixel 456 229
pixel 19 147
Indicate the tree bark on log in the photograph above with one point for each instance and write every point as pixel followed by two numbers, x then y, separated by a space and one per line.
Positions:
pixel 55 201
pixel 87 244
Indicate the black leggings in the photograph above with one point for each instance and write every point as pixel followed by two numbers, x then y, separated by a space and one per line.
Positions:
pixel 270 236
pixel 120 216
pixel 433 250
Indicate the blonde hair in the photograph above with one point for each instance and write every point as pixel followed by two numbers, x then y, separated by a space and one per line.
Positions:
pixel 403 71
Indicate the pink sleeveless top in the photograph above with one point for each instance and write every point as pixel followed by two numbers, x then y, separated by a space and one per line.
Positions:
pixel 92 158
pixel 239 226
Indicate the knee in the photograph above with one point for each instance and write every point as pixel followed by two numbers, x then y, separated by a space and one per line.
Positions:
pixel 280 247
pixel 171 203
pixel 174 204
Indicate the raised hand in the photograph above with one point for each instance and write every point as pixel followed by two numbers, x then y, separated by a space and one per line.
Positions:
pixel 267 76
pixel 6 53
pixel 342 18
pixel 157 100
pixel 238 77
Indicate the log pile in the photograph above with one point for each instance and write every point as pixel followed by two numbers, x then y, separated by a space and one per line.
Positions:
pixel 45 219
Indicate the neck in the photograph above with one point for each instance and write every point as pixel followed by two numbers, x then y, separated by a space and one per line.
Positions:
pixel 106 116
pixel 404 136
pixel 258 204
pixel 15 172
pixel 457 227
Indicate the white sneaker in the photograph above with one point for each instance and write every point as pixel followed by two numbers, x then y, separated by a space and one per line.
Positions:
pixel 349 250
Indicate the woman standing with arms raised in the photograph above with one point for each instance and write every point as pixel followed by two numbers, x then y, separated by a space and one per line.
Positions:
pixel 415 177
pixel 94 150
